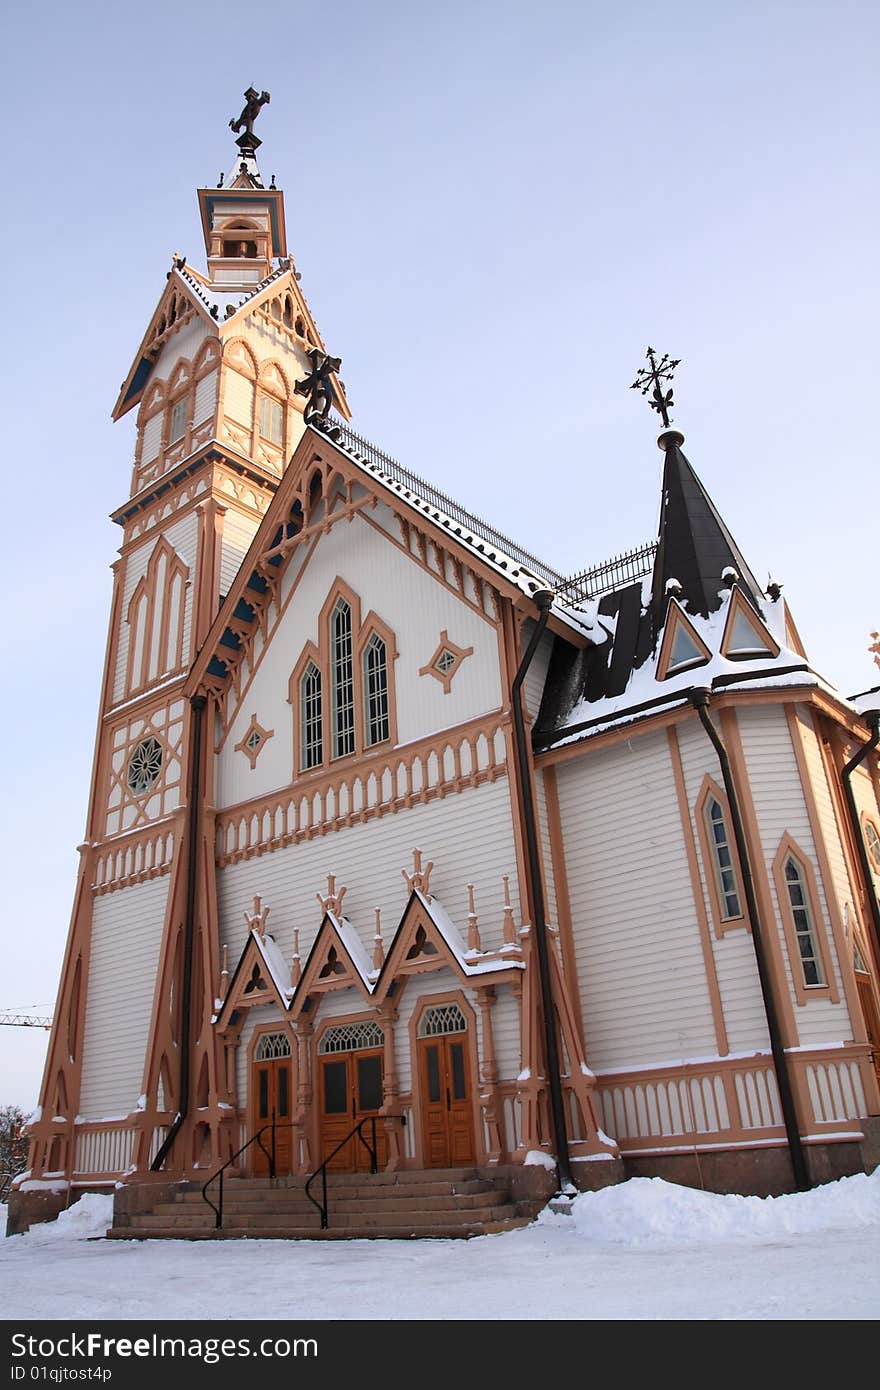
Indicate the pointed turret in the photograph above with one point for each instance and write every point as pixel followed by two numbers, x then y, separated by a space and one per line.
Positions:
pixel 695 548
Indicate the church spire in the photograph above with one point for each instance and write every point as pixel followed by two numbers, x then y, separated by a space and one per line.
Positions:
pixel 697 556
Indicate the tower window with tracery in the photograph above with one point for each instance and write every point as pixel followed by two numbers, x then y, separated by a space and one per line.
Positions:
pixel 179 418
pixel 311 718
pixel 343 680
pixel 271 420
pixel 378 723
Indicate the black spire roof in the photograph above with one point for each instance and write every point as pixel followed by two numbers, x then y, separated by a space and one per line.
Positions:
pixel 695 547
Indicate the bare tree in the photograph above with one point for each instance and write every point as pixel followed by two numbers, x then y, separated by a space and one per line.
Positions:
pixel 13 1145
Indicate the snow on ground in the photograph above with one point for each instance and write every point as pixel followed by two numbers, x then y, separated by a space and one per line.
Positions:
pixel 645 1249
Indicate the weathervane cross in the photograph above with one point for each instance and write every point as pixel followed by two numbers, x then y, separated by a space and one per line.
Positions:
pixel 654 376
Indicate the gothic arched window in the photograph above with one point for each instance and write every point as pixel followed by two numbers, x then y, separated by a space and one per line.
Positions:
pixel 342 667
pixel 376 714
pixel 311 719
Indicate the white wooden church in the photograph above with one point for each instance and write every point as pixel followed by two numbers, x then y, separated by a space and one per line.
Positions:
pixel 407 851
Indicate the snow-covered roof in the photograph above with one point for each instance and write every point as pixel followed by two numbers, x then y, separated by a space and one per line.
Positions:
pixel 470 962
pixel 355 948
pixel 274 962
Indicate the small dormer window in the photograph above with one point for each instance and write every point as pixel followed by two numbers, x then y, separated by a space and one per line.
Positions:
pixel 179 413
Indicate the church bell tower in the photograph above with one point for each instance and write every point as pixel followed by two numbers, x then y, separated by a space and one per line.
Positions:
pixel 133 1082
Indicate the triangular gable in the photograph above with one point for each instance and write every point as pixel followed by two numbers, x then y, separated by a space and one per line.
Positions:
pixel 427 939
pixel 257 979
pixel 793 639
pixel 337 960
pixel 418 945
pixel 167 313
pixel 682 646
pixel 270 551
pixel 745 636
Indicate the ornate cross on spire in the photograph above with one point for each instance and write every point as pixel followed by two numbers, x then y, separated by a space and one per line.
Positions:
pixel 254 102
pixel 655 375
pixel 318 387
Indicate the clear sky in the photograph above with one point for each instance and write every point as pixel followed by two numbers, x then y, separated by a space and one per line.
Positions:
pixel 494 207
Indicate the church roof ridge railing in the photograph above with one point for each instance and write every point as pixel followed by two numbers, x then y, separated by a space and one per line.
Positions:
pixel 621 569
pixel 375 456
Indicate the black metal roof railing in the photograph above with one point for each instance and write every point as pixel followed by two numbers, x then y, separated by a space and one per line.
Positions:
pixel 587 584
pixel 602 579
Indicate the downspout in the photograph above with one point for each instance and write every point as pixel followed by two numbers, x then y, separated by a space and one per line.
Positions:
pixel 543 598
pixel 873 720
pixel 197 703
pixel 699 698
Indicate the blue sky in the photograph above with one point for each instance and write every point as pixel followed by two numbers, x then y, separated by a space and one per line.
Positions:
pixel 494 207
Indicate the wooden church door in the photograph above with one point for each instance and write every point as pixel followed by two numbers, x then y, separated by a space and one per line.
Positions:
pixel 350 1075
pixel 444 1077
pixel 272 1093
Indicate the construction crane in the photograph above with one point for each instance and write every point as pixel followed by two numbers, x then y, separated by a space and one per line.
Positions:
pixel 10 1020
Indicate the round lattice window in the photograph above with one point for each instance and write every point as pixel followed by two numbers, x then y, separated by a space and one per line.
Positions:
pixel 144 765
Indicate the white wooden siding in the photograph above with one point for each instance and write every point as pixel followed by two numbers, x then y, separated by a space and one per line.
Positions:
pixel 414 606
pixel 468 836
pixel 780 806
pixel 533 685
pixel 152 438
pixel 640 963
pixel 734 954
pixel 206 397
pixel 126 937
pixel 551 906
pixel 182 536
pixel 184 343
pixel 238 398
pixel 238 532
pixel 506 1033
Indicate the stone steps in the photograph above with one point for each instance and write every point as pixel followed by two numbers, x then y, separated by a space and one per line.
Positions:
pixel 415 1231
pixel 448 1203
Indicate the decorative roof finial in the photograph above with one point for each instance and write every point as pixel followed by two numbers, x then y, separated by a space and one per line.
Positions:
pixel 254 102
pixel 318 386
pixel 655 375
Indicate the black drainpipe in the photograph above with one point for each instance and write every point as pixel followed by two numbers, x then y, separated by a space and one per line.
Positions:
pixel 873 720
pixel 197 703
pixel 544 599
pixel 700 700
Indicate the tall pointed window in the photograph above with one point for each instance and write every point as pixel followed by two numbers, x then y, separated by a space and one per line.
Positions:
pixel 377 723
pixel 343 680
pixel 342 687
pixel 311 718
pixel 799 902
pixel 722 860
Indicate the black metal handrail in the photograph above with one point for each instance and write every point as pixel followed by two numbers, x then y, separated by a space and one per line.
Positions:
pixel 254 1139
pixel 374 1168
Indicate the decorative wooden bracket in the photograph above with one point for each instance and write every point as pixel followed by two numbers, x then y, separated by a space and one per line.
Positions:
pixel 420 878
pixel 333 901
pixel 257 919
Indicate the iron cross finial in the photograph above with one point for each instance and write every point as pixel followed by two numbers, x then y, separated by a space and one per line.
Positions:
pixel 654 376
pixel 318 386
